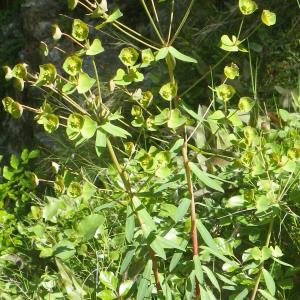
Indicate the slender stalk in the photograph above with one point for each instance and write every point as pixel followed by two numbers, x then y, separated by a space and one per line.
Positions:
pixel 134 37
pixel 182 21
pixel 127 185
pixel 85 6
pixel 74 40
pixel 136 33
pixel 204 75
pixel 152 22
pixel 171 22
pixel 257 280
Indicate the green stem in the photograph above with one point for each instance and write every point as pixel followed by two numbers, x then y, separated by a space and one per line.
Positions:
pixel 127 185
pixel 152 22
pixel 257 280
pixel 99 105
pixel 182 22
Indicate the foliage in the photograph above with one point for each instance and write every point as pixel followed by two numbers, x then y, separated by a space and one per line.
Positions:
pixel 169 201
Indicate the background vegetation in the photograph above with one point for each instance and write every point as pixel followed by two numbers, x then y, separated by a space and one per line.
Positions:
pixel 97 198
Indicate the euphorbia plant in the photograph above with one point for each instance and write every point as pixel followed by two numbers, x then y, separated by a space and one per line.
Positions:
pixel 152 162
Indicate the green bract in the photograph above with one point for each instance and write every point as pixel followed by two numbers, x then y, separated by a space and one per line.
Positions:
pixel 56 32
pixel 20 71
pixel 12 107
pixel 232 71
pixel 268 17
pixel 95 48
pixel 47 74
pixel 247 7
pixel 44 49
pixel 72 65
pixel 225 92
pixel 245 104
pixel 176 119
pixel 75 122
pixel 128 56
pixel 168 91
pixel 85 83
pixel 49 121
pixel 72 4
pixel 80 30
pixel 74 190
pixel 147 56
pixel 8 73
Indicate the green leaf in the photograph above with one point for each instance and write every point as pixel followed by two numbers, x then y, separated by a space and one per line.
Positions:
pixel 198 269
pixel 266 295
pixel 73 287
pixel 115 130
pixel 89 127
pixel 95 48
pixel 88 226
pixel 156 245
pixel 177 256
pixel 125 287
pixel 128 56
pixel 130 224
pixel 182 209
pixel 269 282
pixel 263 203
pixel 108 279
pixel 209 241
pixel 212 278
pixel 127 260
pixel 64 250
pixel 14 162
pixel 168 91
pixel 242 295
pixel 72 65
pixel 205 179
pixel 100 143
pixel 247 7
pixel 85 83
pixel 176 119
pixel 235 201
pixel 47 74
pixel 80 30
pixel 143 285
pixel 268 17
pixel 106 295
pixel 181 56
pixel 148 224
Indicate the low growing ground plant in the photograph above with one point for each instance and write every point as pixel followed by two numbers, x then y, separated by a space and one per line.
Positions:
pixel 163 200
